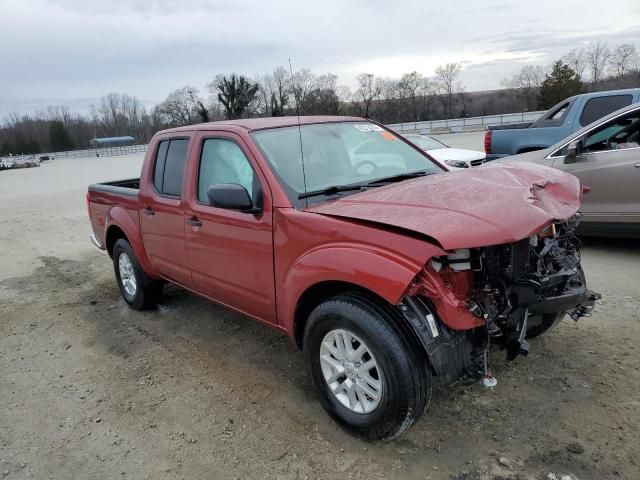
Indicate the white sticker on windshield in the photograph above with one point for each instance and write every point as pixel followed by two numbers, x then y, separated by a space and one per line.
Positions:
pixel 368 127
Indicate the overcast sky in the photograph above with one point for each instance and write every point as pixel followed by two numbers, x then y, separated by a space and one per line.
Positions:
pixel 72 52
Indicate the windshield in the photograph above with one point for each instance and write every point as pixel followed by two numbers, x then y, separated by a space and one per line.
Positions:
pixel 337 154
pixel 426 143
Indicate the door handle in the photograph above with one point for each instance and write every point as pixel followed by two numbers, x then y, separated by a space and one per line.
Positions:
pixel 194 222
pixel 148 211
pixel 637 165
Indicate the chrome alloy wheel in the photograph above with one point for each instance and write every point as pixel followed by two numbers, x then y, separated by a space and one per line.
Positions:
pixel 127 275
pixel 351 371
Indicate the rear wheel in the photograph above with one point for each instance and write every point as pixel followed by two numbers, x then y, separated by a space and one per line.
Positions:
pixel 369 377
pixel 138 290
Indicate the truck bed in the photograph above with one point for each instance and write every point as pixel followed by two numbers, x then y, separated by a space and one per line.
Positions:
pixel 128 186
pixel 510 126
pixel 104 198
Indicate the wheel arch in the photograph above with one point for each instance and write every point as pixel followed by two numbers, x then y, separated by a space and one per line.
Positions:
pixel 120 224
pixel 114 233
pixel 318 293
pixel 330 270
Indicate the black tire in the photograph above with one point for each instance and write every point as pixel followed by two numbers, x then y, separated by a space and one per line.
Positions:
pixel 405 376
pixel 148 291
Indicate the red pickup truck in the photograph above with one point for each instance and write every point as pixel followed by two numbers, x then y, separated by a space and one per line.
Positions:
pixel 386 271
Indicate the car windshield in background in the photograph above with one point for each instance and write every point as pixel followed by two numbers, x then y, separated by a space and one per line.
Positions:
pixel 426 143
pixel 337 155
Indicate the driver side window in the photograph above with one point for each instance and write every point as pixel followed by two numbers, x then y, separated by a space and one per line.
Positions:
pixel 223 161
pixel 620 133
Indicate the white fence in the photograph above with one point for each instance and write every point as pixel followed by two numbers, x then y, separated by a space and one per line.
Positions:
pixel 89 152
pixel 455 125
pixel 98 152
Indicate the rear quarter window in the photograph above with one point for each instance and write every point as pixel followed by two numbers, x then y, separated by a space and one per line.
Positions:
pixel 599 107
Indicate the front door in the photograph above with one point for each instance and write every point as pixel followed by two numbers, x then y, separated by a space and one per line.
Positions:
pixel 231 252
pixel 610 165
pixel 162 212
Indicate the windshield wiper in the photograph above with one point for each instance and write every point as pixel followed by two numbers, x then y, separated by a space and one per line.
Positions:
pixel 333 190
pixel 398 178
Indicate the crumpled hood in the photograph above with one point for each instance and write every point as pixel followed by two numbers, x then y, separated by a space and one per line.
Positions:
pixel 468 208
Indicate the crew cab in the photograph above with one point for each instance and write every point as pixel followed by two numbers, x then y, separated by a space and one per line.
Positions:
pixel 557 123
pixel 387 273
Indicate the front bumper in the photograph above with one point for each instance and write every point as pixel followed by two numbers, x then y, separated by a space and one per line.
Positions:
pixel 579 298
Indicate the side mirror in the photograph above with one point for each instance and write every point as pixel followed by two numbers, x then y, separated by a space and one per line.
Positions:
pixel 231 196
pixel 573 151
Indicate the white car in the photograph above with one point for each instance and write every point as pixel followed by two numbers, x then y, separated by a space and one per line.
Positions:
pixel 452 158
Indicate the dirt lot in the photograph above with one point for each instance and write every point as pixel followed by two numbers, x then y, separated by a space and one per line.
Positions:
pixel 91 389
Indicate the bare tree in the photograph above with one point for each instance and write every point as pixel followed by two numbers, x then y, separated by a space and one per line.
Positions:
pixel 623 59
pixel 323 97
pixel 119 114
pixel 447 81
pixel 598 56
pixel 387 110
pixel 303 83
pixel 577 60
pixel 635 67
pixel 427 91
pixel 409 91
pixel 183 107
pixel 527 84
pixel 275 92
pixel 369 89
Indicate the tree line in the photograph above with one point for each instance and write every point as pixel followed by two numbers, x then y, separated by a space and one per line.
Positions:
pixel 412 97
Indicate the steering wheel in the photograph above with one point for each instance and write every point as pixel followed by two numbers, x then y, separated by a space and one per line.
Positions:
pixel 364 163
pixel 610 141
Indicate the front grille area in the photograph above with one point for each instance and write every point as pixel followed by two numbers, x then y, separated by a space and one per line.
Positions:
pixel 516 258
pixel 475 163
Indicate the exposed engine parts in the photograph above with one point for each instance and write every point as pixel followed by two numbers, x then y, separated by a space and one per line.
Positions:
pixel 507 294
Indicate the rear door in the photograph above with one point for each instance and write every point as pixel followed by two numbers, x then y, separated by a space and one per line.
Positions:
pixel 230 252
pixel 162 211
pixel 610 165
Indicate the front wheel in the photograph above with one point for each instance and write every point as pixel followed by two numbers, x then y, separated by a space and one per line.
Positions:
pixel 369 376
pixel 137 289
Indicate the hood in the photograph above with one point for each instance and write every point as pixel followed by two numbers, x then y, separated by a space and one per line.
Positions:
pixel 443 154
pixel 468 208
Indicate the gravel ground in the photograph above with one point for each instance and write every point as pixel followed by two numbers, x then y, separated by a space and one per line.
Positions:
pixel 92 389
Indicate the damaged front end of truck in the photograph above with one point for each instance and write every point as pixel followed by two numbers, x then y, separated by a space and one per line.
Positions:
pixel 510 267
pixel 462 304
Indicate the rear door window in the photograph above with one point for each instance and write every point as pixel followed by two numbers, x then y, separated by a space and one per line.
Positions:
pixel 169 168
pixel 158 172
pixel 599 107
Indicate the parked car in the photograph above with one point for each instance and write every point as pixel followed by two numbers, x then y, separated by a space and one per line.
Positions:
pixel 385 272
pixel 605 156
pixel 560 121
pixel 6 164
pixel 453 158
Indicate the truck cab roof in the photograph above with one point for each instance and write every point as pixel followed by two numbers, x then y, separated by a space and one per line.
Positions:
pixel 252 124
